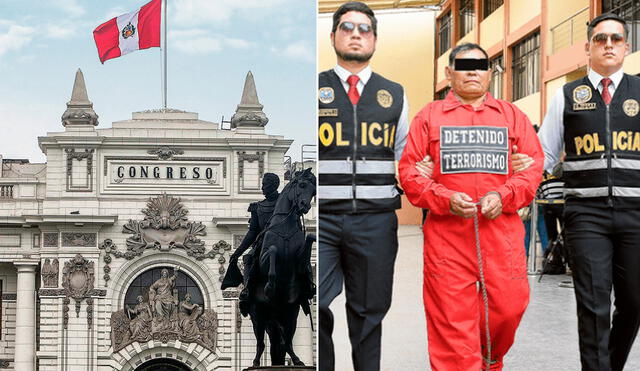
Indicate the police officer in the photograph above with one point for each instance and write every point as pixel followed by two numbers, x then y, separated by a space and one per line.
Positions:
pixel 596 119
pixel 362 131
pixel 261 212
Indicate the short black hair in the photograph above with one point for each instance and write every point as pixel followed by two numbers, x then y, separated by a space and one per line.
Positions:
pixel 355 6
pixel 463 48
pixel 606 17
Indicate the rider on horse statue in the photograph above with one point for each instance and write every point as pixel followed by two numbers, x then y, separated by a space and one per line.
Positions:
pixel 261 212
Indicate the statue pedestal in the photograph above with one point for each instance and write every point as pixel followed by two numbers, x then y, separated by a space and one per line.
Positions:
pixel 281 368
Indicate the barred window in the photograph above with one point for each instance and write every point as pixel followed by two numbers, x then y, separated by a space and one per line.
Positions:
pixel 444 33
pixel 629 10
pixel 490 6
pixel 467 16
pixel 526 67
pixel 442 93
pixel 497 73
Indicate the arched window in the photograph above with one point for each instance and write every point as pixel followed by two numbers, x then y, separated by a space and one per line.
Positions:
pixel 183 283
pixel 163 364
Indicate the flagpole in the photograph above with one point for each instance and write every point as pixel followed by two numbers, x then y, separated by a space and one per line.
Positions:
pixel 164 65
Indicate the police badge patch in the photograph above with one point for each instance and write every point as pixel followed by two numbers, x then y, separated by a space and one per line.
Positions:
pixel 630 107
pixel 581 95
pixel 326 95
pixel 384 98
pixel 128 31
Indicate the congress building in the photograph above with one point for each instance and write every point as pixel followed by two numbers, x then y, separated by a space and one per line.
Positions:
pixel 112 252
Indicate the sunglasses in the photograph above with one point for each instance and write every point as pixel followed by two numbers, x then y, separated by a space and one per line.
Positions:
pixel 363 28
pixel 617 39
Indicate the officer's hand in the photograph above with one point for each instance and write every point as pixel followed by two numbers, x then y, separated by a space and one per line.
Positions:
pixel 520 161
pixel 491 205
pixel 462 205
pixel 425 167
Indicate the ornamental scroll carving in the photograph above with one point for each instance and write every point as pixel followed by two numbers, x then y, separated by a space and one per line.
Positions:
pixel 73 155
pixel 164 227
pixel 165 153
pixel 77 283
pixel 164 317
pixel 79 239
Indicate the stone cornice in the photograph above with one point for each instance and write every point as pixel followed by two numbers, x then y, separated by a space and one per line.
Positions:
pixel 261 141
pixel 85 219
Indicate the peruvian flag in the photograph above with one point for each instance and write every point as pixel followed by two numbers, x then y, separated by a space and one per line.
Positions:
pixel 129 32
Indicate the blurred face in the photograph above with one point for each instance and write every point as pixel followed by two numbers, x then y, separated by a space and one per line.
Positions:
pixel 469 84
pixel 354 39
pixel 607 47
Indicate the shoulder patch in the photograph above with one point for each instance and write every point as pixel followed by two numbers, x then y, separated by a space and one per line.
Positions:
pixel 253 206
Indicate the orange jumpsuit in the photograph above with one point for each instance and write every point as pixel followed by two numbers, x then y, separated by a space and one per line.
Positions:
pixel 471 149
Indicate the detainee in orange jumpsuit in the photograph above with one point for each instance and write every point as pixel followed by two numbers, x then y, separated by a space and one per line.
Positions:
pixel 469 135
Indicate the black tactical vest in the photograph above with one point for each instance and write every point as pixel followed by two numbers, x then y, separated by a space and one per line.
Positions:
pixel 602 167
pixel 356 146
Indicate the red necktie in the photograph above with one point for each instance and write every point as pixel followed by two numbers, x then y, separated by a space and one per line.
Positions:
pixel 606 97
pixel 354 96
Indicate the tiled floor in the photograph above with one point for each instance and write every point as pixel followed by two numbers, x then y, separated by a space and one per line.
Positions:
pixel 546 340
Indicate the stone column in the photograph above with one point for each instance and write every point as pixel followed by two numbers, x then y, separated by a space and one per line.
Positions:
pixel 25 345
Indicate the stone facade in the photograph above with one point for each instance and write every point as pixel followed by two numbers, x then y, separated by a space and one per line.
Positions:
pixel 162 190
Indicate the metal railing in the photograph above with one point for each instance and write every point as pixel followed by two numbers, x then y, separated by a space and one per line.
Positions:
pixel 570 31
pixel 444 33
pixel 308 152
pixel 6 191
pixel 629 10
pixel 467 15
pixel 491 6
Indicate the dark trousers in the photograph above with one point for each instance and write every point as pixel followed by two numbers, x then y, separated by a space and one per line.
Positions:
pixel 605 245
pixel 358 251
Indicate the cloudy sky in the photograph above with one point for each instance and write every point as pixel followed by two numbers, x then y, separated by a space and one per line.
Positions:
pixel 212 45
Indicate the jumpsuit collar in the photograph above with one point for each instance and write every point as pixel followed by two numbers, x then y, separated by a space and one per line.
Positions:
pixel 451 102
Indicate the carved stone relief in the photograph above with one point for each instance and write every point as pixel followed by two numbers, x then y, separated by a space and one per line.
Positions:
pixel 50 239
pixel 165 153
pixel 49 273
pixel 164 317
pixel 79 239
pixel 164 227
pixel 77 282
pixel 218 249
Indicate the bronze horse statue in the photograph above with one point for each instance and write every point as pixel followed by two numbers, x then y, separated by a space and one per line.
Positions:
pixel 281 280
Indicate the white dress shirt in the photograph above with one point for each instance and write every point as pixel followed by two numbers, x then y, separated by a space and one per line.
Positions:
pixel 551 133
pixel 402 129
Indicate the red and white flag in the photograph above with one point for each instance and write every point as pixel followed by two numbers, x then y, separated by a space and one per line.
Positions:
pixel 129 32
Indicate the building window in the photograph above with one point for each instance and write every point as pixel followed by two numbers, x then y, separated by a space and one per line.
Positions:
pixel 442 93
pixel 467 16
pixel 497 73
pixel 526 67
pixel 490 6
pixel 629 10
pixel 183 284
pixel 444 33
